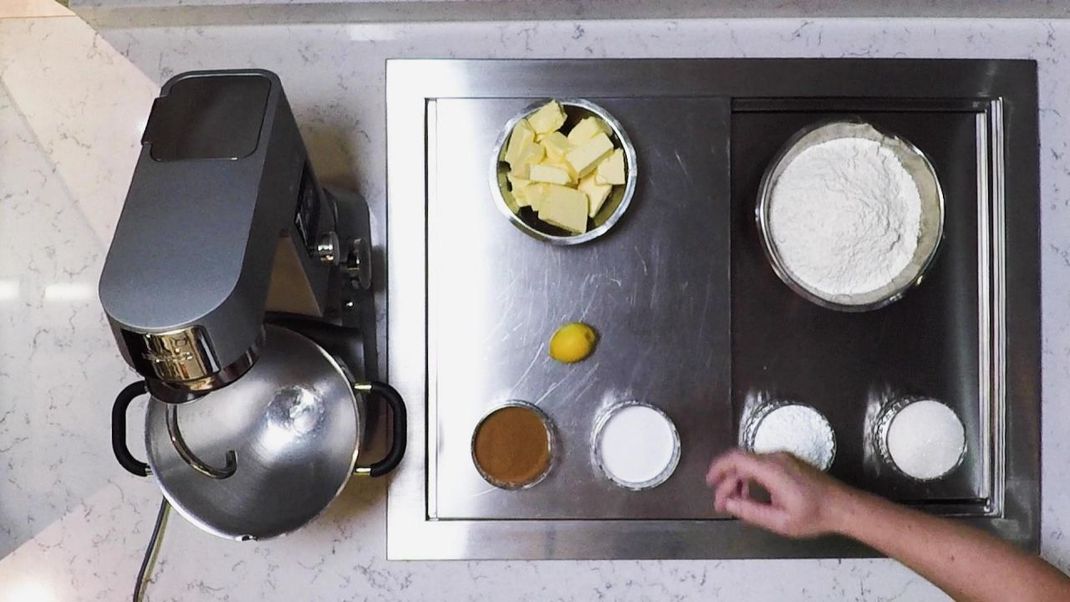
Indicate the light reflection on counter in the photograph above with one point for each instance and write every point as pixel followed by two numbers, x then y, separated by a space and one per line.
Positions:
pixel 28 591
pixel 69 291
pixel 9 290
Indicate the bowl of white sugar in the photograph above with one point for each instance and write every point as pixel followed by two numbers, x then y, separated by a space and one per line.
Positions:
pixel 635 445
pixel 922 439
pixel 850 217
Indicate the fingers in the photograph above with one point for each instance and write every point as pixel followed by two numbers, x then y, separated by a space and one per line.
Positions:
pixel 766 471
pixel 730 486
pixel 762 515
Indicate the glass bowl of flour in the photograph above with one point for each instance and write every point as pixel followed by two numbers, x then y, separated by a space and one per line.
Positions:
pixel 850 217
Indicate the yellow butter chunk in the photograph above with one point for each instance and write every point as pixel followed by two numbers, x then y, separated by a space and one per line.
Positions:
pixel 556 145
pixel 596 194
pixel 548 118
pixel 549 174
pixel 530 195
pixel 522 149
pixel 611 169
pixel 587 128
pixel 565 208
pixel 585 158
pixel 521 137
pixel 516 186
pixel 516 183
pixel 562 165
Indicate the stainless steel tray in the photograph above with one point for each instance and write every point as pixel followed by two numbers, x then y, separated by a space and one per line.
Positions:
pixel 688 324
pixel 656 288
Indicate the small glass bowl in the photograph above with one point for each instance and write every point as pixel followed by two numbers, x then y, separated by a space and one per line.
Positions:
pixel 524 218
pixel 883 424
pixel 932 213
pixel 596 446
pixel 551 445
pixel 749 428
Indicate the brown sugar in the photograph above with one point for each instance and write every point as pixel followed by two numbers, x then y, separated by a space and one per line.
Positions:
pixel 511 447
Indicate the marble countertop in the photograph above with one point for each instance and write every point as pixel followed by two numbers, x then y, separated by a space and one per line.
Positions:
pixel 73 525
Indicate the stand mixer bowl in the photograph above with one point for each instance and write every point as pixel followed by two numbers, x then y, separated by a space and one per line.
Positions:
pixel 295 424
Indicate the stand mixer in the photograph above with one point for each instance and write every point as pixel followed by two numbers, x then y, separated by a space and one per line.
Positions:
pixel 241 291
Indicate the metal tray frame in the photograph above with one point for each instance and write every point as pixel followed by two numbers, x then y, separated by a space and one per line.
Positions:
pixel 1003 94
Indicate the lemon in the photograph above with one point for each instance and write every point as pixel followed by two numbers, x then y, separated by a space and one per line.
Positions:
pixel 572 342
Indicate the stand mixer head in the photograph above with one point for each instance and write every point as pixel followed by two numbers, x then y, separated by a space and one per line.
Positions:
pixel 224 221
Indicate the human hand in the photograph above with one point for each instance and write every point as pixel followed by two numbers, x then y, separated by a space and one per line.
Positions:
pixel 804 502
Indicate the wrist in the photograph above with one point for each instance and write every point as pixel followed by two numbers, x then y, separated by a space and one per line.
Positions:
pixel 844 510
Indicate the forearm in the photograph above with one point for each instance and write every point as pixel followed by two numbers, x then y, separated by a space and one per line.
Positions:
pixel 965 562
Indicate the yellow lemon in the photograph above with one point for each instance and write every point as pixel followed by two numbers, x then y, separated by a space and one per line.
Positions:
pixel 572 342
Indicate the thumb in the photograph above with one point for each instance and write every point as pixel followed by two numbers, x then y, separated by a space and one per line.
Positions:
pixel 766 516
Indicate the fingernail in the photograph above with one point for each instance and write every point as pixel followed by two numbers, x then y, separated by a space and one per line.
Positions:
pixel 730 505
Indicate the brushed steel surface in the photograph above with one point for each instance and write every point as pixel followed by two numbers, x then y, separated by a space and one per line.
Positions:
pixel 295 423
pixel 655 288
pixel 979 346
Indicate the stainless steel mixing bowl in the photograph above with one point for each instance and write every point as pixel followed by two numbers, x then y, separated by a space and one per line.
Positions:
pixel 290 428
pixel 932 213
pixel 526 220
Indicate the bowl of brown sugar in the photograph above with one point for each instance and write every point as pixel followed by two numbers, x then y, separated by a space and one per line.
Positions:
pixel 513 445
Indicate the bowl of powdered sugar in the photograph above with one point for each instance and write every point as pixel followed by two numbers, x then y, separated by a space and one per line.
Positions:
pixel 850 217
pixel 785 426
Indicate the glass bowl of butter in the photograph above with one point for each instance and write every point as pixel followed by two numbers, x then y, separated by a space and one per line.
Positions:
pixel 563 171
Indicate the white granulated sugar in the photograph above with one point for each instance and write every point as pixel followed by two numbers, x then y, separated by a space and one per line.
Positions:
pixel 637 445
pixel 798 429
pixel 845 216
pixel 925 439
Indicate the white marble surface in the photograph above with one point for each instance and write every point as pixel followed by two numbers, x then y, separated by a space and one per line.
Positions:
pixel 334 77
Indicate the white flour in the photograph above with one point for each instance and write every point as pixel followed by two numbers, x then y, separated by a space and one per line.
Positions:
pixel 798 429
pixel 845 216
pixel 925 439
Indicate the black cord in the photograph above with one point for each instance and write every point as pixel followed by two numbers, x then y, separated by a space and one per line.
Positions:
pixel 153 548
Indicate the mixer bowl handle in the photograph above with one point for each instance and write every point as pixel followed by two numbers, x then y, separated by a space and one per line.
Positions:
pixel 399 434
pixel 118 429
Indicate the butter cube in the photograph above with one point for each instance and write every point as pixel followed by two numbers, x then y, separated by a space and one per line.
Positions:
pixel 529 195
pixel 611 169
pixel 587 128
pixel 531 156
pixel 521 137
pixel 522 149
pixel 585 158
pixel 596 194
pixel 565 208
pixel 549 174
pixel 548 118
pixel 564 166
pixel 516 182
pixel 556 145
